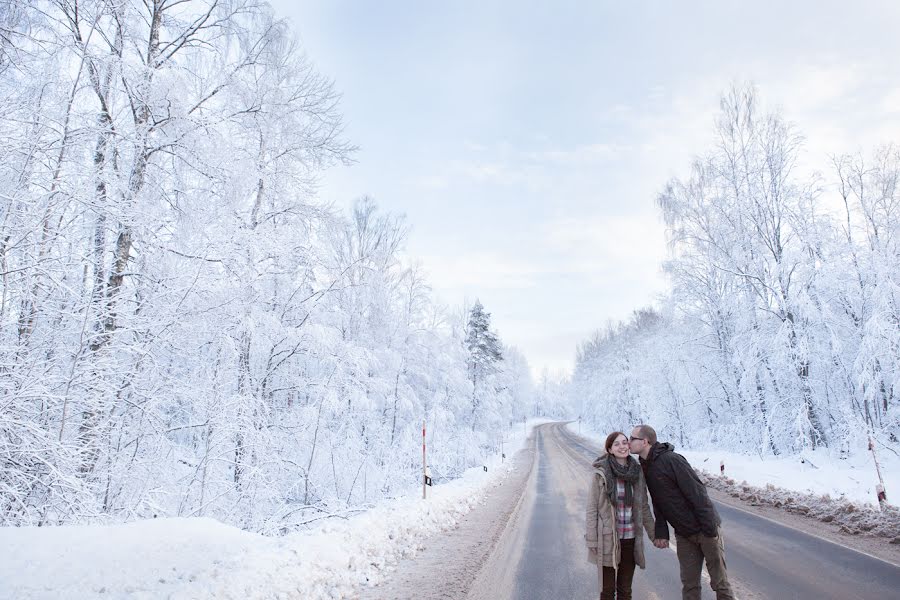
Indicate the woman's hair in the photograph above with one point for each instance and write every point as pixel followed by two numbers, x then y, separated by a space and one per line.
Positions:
pixel 612 438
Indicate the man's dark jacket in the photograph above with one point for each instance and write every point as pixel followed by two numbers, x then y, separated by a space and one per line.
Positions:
pixel 679 497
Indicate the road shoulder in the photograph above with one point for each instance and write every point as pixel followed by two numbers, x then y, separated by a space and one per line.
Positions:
pixel 448 565
pixel 878 547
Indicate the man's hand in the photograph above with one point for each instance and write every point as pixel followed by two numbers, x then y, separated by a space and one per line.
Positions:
pixel 592 555
pixel 661 543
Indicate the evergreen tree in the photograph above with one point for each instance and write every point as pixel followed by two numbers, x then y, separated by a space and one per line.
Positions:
pixel 484 352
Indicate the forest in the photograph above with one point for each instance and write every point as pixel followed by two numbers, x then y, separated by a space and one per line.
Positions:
pixel 187 330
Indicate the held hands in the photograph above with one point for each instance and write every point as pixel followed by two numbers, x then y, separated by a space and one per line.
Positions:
pixel 661 543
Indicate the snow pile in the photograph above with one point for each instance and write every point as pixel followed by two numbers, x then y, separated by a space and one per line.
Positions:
pixel 179 558
pixel 817 473
pixel 145 559
pixel 851 517
pixel 201 558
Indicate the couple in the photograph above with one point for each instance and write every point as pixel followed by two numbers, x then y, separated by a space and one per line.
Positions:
pixel 618 512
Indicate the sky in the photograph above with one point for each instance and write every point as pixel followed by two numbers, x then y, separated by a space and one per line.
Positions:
pixel 526 142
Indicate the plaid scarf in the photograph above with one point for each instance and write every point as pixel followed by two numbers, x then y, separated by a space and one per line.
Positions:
pixel 629 473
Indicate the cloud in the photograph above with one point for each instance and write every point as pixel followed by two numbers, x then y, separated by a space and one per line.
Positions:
pixel 430 182
pixel 472 271
pixel 578 156
pixel 890 103
pixel 536 169
pixel 618 238
pixel 804 87
pixel 838 105
pixel 598 267
pixel 496 172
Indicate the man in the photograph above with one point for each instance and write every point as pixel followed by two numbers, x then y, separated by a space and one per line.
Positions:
pixel 680 498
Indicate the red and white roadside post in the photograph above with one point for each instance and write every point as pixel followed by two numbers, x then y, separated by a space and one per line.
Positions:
pixel 879 489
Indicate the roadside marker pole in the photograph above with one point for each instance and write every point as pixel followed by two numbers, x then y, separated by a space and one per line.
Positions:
pixel 424 468
pixel 879 489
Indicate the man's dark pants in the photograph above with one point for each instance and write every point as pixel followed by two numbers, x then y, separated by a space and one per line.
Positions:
pixel 692 550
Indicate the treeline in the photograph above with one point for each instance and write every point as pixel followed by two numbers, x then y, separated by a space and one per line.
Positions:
pixel 782 328
pixel 184 329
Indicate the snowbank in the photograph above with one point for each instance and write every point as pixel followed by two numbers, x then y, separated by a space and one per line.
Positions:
pixel 849 517
pixel 193 558
pixel 819 473
pixel 815 485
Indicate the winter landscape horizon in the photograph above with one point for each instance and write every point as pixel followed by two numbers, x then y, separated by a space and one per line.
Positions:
pixel 265 265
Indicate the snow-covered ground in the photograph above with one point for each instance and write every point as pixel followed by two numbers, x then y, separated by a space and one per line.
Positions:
pixel 201 558
pixel 818 472
pixel 854 478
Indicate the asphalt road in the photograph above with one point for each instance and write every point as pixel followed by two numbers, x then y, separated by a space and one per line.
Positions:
pixel 765 559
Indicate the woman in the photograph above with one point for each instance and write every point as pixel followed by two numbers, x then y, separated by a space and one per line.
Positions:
pixel 617 514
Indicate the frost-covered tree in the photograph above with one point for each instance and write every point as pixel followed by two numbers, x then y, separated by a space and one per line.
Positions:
pixel 485 352
pixel 779 333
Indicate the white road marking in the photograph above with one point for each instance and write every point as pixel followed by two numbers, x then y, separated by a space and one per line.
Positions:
pixel 818 537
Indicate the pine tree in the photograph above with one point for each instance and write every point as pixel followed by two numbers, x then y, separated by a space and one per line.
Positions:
pixel 484 352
